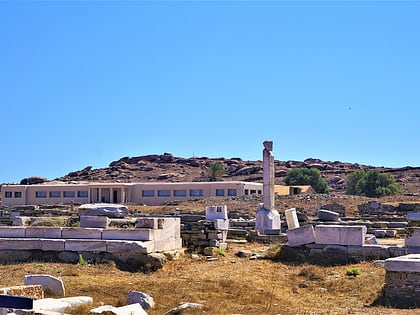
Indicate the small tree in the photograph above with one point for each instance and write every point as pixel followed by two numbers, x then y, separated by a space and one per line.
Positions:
pixel 372 184
pixel 307 176
pixel 215 170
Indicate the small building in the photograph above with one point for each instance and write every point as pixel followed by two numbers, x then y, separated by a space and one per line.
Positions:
pixel 124 193
pixel 293 190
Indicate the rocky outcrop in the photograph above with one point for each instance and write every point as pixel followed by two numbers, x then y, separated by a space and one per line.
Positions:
pixel 169 168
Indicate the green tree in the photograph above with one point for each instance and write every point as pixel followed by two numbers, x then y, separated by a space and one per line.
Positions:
pixel 307 176
pixel 215 170
pixel 372 184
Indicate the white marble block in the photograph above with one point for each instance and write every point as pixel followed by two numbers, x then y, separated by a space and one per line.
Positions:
pixel 52 245
pixel 85 245
pixel 43 232
pixel 407 263
pixel 78 232
pixel 267 220
pixel 94 221
pixel 216 212
pixel 301 235
pixel 53 285
pixel 130 247
pixel 221 224
pixel 12 231
pixel 128 234
pixel 20 243
pixel 340 235
pixel 291 218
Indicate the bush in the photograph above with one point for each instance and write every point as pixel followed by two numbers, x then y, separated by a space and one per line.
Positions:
pixel 371 184
pixel 307 176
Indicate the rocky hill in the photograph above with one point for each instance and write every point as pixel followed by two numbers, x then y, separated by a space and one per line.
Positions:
pixel 168 168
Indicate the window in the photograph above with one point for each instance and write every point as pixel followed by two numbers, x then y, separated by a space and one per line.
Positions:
pixel 220 192
pixel 180 193
pixel 41 194
pixel 196 192
pixel 55 194
pixel 164 193
pixel 231 192
pixel 259 192
pixel 8 194
pixel 246 191
pixel 148 193
pixel 82 193
pixel 69 194
pixel 18 194
pixel 253 191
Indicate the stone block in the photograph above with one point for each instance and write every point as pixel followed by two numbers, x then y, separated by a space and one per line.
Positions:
pixel 132 309
pixel 128 234
pixel 221 224
pixel 20 243
pixel 81 233
pixel 94 222
pixel 162 246
pixel 21 221
pixel 267 220
pixel 31 291
pixel 12 231
pixel 412 238
pixel 291 218
pixel 144 299
pixel 130 247
pixel 368 252
pixel 149 223
pixel 407 263
pixel 52 245
pixel 391 233
pixel 43 232
pixel 340 235
pixel 52 285
pixel 85 245
pixel 415 216
pixel 301 235
pixel 379 233
pixel 216 212
pixel 326 215
pixel 395 251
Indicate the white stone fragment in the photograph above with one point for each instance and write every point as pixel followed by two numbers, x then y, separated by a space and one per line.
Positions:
pixel 301 235
pixel 340 235
pixel 216 212
pixel 50 284
pixel 407 263
pixel 144 299
pixel 291 218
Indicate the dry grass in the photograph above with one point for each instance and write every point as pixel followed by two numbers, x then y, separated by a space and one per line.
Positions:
pixel 229 285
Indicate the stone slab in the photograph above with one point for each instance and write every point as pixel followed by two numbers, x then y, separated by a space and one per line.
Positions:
pixel 12 231
pixel 52 245
pixel 301 235
pixel 82 233
pixel 407 263
pixel 415 216
pixel 162 246
pixel 340 235
pixel 52 285
pixel 94 221
pixel 326 215
pixel 221 224
pixel 128 234
pixel 43 232
pixel 20 243
pixel 267 220
pixel 130 246
pixel 368 252
pixel 77 245
pixel 216 212
pixel 412 238
pixel 291 218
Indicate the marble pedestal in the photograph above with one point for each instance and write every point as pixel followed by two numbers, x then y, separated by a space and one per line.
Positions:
pixel 267 220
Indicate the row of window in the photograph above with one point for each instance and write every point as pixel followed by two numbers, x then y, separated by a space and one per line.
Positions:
pixel 9 194
pixel 57 194
pixel 183 193
pixel 252 192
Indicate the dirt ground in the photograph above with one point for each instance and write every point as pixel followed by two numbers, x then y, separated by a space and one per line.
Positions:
pixel 228 285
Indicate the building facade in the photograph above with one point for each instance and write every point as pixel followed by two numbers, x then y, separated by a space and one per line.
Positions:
pixel 125 193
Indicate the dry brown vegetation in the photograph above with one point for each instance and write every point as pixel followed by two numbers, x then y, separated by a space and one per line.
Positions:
pixel 230 285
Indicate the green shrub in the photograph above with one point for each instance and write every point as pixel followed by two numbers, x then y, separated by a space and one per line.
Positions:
pixel 353 271
pixel 82 261
pixel 371 184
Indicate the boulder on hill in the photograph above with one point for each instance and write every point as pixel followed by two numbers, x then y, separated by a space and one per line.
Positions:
pixel 33 180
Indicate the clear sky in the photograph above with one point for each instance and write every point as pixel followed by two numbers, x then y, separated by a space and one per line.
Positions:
pixel 86 83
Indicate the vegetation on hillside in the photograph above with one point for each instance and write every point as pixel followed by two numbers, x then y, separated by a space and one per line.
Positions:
pixel 371 184
pixel 307 176
pixel 215 171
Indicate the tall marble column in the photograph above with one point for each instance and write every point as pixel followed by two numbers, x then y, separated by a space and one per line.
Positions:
pixel 267 217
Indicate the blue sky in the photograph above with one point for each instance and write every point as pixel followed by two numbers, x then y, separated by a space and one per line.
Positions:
pixel 86 83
